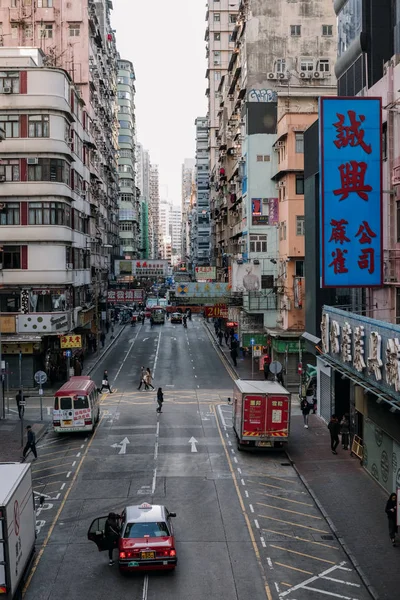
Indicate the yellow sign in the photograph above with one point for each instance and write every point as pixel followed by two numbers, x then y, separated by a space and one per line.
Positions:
pixel 16 348
pixel 71 341
pixel 7 324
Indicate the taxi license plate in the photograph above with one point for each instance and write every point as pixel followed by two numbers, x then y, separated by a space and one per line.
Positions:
pixel 66 423
pixel 148 554
pixel 265 444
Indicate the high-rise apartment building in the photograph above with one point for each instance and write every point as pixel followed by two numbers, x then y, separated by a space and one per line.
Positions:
pixel 187 190
pixel 176 234
pixel 143 184
pixel 154 205
pixel 200 215
pixel 128 202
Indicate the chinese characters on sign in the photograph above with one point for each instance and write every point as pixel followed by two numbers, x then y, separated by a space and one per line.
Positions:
pixel 351 190
pixel 124 296
pixel 206 273
pixel 70 341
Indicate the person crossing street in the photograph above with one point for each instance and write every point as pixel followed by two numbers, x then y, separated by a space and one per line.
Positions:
pixel 30 443
pixel 105 383
pixel 160 400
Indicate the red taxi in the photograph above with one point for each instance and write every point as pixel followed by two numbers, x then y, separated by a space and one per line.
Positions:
pixel 147 539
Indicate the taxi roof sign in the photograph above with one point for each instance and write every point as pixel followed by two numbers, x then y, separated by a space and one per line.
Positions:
pixel 145 505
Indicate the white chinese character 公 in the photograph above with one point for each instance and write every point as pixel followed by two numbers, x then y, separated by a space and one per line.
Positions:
pixel 392 366
pixel 346 342
pixel 334 332
pixel 374 356
pixel 325 333
pixel 359 348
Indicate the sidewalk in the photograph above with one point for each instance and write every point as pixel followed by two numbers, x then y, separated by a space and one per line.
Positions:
pixel 10 428
pixel 346 494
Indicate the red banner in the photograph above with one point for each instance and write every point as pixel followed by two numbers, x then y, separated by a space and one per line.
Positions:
pixel 218 310
pixel 124 296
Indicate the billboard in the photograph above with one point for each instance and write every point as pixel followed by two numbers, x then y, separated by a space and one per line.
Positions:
pixel 124 296
pixel 218 310
pixel 142 268
pixel 264 211
pixel 351 192
pixel 246 277
pixel 201 290
pixel 205 273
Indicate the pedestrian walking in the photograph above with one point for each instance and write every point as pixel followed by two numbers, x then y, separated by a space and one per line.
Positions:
pixel 220 337
pixel 160 400
pixel 112 532
pixel 345 431
pixel 234 355
pixel 19 398
pixel 334 429
pixel 148 378
pixel 391 511
pixel 151 322
pixel 107 326
pixel 142 380
pixel 30 443
pixel 305 409
pixel 216 327
pixel 266 369
pixel 226 336
pixel 102 338
pixel 105 383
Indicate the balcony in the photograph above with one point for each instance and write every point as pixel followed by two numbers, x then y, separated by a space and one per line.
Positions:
pixel 260 301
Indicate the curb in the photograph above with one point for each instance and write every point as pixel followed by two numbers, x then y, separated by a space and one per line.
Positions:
pixel 105 351
pixel 230 368
pixel 340 539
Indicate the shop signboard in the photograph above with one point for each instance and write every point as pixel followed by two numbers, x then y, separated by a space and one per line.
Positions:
pixel 70 341
pixel 124 296
pixel 201 290
pixel 264 211
pixel 205 273
pixel 259 339
pixel 43 323
pixel 7 324
pixel 217 311
pixel 351 192
pixel 289 346
pixel 142 268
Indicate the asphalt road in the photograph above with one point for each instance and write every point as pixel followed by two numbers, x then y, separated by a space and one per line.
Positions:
pixel 246 528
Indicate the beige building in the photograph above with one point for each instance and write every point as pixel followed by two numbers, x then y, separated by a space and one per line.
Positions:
pixel 154 209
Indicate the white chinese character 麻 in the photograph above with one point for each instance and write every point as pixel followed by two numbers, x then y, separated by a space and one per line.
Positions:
pixel 325 333
pixel 375 355
pixel 346 342
pixel 359 348
pixel 392 366
pixel 334 332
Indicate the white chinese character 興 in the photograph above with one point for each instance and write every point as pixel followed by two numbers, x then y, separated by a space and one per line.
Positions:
pixel 334 332
pixel 375 355
pixel 392 366
pixel 359 348
pixel 346 342
pixel 325 333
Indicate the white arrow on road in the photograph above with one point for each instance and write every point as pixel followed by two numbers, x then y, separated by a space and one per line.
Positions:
pixel 146 339
pixel 193 442
pixel 121 445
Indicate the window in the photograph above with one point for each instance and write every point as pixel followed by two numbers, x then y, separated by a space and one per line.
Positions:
pixel 124 109
pixel 126 226
pixel 50 169
pixel 14 31
pixel 295 30
pixel 299 268
pixel 124 80
pixel 217 37
pixel 299 143
pixel 28 31
pixel 9 169
pixel 327 30
pixel 124 95
pixel 124 139
pixel 217 57
pixel 280 65
pixel 259 158
pixel 44 3
pixel 300 225
pixel 299 184
pixel 38 125
pixel 125 124
pixel 324 65
pixel 9 82
pixel 10 124
pixel 10 214
pixel 26 2
pixel 49 213
pixel 232 18
pixel 10 302
pixel 46 31
pixel 74 30
pixel 124 182
pixel 306 64
pixel 11 257
pixel 258 243
pixel 217 75
pixel 124 153
pixel 217 17
pixel 125 169
pixel 14 3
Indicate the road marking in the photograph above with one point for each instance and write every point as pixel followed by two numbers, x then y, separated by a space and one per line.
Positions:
pixel 145 587
pixel 221 415
pixel 69 474
pixel 286 499
pixel 46 476
pixel 277 587
pixel 242 482
pixel 251 508
pixel 48 411
pixel 314 578
pixel 193 443
pixel 123 362
pixel 276 487
pixel 305 587
pixel 256 523
pixel 329 562
pixel 289 585
pixel 295 524
pixel 294 512
pixel 50 442
pixel 239 470
pixel 246 493
pixel 340 581
pixel 293 568
pixel 78 455
pixel 122 445
pixel 229 443
pixel 296 537
pixel 63 486
pixel 263 544
pixel 156 358
pixel 83 445
pixel 74 463
pixel 49 533
pixel 153 484
pixel 269 561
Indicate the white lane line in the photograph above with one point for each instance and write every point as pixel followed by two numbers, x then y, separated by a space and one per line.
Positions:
pixel 221 415
pixel 232 450
pixel 251 508
pixel 242 482
pixel 51 442
pixel 239 470
pixel 78 455
pixel 86 439
pixel 145 587
pixel 62 487
pixel 269 561
pixel 229 443
pixel 236 460
pixel 341 581
pixel 256 523
pixel 277 587
pixel 69 474
pixel 74 463
pixel 246 493
pixel 153 484
pixel 303 584
pixel 83 445
pixel 306 587
pixel 227 435
pixel 156 358
pixel 263 544
pixel 126 356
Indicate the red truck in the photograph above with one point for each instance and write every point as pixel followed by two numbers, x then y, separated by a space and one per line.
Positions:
pixel 261 414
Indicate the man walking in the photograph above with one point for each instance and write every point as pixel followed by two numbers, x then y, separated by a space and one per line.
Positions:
pixel 102 338
pixel 220 337
pixel 142 374
pixel 30 443
pixel 334 429
pixel 105 383
pixel 305 409
pixel 160 400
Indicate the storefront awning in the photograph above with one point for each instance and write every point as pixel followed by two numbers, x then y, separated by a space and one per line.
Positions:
pixel 20 339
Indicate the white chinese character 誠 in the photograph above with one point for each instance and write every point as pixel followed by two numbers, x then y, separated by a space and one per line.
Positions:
pixel 325 333
pixel 346 342
pixel 359 348
pixel 392 366
pixel 334 333
pixel 375 355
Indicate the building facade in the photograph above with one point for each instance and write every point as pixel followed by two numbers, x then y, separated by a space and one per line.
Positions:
pixel 176 234
pixel 187 189
pixel 143 180
pixel 128 201
pixel 154 206
pixel 200 215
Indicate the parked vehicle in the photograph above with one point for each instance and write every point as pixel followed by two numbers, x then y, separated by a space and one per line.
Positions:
pixel 261 414
pixel 76 406
pixel 147 539
pixel 17 528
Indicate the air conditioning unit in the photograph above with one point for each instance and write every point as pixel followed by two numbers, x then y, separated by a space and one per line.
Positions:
pixel 305 75
pixel 32 161
pixel 70 141
pixel 281 76
pixel 7 90
pixel 271 75
pixel 317 75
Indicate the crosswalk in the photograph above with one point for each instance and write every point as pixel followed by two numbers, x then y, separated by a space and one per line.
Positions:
pixel 170 396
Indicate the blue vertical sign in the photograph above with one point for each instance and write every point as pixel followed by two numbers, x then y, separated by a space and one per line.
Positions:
pixel 351 192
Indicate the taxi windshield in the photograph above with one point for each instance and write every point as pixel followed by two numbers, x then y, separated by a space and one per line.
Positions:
pixel 139 530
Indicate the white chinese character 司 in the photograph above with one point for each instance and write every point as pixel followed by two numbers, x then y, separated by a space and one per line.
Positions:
pixel 374 357
pixel 346 342
pixel 334 332
pixel 392 366
pixel 359 348
pixel 325 333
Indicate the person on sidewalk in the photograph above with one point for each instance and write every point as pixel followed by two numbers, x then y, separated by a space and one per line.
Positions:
pixel 160 400
pixel 345 431
pixel 266 369
pixel 234 355
pixel 391 511
pixel 305 409
pixel 105 383
pixel 220 337
pixel 20 397
pixel 142 380
pixel 334 429
pixel 148 379
pixel 226 336
pixel 112 533
pixel 30 443
pixel 102 338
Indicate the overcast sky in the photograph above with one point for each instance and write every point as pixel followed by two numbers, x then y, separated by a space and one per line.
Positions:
pixel 165 42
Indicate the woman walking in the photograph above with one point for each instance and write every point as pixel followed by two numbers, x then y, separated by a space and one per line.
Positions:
pixel 345 431
pixel 148 378
pixel 160 400
pixel 305 409
pixel 391 511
